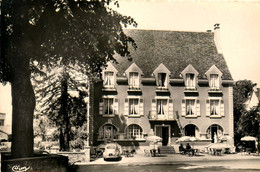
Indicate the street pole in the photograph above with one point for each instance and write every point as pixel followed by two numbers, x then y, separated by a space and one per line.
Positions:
pixel 258 135
pixel 88 121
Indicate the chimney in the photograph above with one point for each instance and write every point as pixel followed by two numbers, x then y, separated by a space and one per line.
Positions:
pixel 217 37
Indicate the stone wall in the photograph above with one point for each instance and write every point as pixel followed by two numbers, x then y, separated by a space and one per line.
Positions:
pixel 81 156
pixel 54 163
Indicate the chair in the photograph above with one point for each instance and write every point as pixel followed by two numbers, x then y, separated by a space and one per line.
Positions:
pixel 218 152
pixel 196 152
pixel 249 150
pixel 189 152
pixel 93 152
pixel 147 153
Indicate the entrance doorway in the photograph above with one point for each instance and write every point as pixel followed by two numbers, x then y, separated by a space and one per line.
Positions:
pixel 213 132
pixel 163 132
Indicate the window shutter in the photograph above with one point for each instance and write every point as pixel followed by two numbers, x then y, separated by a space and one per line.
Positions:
pixel 170 109
pixel 116 106
pixel 101 107
pixel 153 108
pixel 141 107
pixel 222 110
pixel 198 108
pixel 207 108
pixel 183 108
pixel 126 107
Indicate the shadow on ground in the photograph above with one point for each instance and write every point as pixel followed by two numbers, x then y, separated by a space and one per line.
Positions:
pixel 113 159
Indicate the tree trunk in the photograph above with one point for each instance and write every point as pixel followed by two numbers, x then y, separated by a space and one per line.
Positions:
pixel 23 100
pixel 64 113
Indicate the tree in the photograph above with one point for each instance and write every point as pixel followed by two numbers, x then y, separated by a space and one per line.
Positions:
pixel 42 125
pixel 61 97
pixel 249 122
pixel 243 90
pixel 42 33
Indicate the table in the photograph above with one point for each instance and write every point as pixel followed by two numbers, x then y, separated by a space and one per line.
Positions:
pixel 189 152
pixel 217 151
pixel 227 151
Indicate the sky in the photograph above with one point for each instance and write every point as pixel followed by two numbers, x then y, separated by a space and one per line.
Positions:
pixel 239 27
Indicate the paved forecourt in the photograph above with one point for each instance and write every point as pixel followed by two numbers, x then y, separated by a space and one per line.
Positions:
pixel 141 159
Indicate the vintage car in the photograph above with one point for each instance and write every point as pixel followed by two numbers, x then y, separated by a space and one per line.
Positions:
pixel 112 151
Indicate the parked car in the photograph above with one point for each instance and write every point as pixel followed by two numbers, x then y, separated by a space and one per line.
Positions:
pixel 112 151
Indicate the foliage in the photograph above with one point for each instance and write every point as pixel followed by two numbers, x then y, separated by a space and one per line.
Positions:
pixel 243 90
pixel 43 33
pixel 77 144
pixel 80 132
pixel 249 122
pixel 65 32
pixel 60 96
pixel 41 126
pixel 78 136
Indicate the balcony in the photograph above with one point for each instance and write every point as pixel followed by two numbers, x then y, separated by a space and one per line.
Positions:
pixel 161 89
pixel 120 137
pixel 190 89
pixel 157 117
pixel 109 88
pixel 134 90
pixel 215 90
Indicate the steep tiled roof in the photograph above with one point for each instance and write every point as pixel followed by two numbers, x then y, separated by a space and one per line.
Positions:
pixel 176 50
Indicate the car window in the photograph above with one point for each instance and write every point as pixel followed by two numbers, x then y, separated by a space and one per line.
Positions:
pixel 111 147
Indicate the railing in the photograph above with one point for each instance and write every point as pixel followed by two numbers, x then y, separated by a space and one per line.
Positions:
pixel 162 89
pixel 215 90
pixel 190 89
pixel 109 88
pixel 160 117
pixel 133 88
pixel 121 137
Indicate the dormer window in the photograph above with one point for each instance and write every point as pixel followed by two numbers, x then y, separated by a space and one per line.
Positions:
pixel 190 75
pixel 134 80
pixel 162 80
pixel 214 78
pixel 109 79
pixel 190 81
pixel 214 81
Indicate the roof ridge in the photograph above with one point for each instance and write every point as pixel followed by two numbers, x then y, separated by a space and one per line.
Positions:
pixel 168 30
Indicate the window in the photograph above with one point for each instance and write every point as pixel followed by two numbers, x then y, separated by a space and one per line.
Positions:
pixel 162 107
pixel 2 122
pixel 133 107
pixel 109 79
pixel 108 131
pixel 108 106
pixel 190 80
pixel 214 81
pixel 134 131
pixel 134 79
pixel 190 107
pixel 162 79
pixel 191 130
pixel 214 107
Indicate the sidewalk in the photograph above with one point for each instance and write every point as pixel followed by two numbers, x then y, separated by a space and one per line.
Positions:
pixel 141 159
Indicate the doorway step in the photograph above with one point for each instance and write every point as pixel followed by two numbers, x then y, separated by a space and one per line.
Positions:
pixel 166 150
